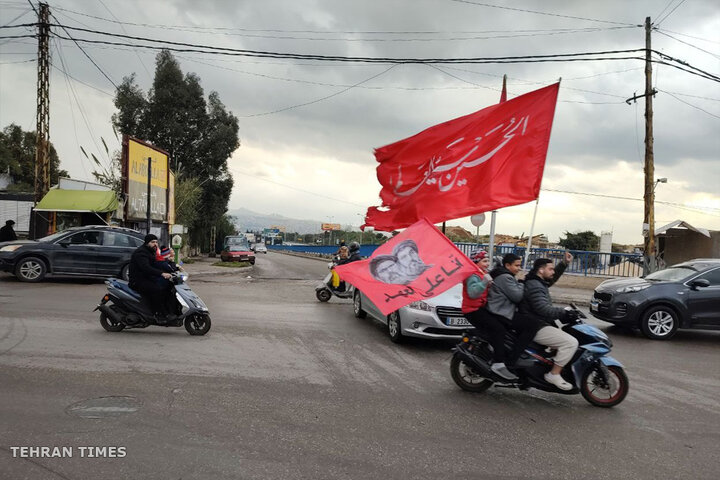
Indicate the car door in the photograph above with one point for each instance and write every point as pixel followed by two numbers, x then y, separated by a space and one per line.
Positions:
pixel 77 253
pixel 115 252
pixel 704 302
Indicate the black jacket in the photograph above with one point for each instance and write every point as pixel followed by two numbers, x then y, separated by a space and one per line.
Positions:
pixel 143 268
pixel 536 298
pixel 7 234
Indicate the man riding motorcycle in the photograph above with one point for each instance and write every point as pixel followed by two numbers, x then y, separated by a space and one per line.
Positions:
pixel 537 302
pixel 145 276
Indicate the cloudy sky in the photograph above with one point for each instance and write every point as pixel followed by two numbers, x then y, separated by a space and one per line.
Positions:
pixel 308 128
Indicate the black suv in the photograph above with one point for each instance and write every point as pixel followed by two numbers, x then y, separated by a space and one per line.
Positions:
pixel 81 251
pixel 686 295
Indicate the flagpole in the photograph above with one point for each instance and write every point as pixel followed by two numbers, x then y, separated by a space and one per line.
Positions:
pixel 532 227
pixel 492 238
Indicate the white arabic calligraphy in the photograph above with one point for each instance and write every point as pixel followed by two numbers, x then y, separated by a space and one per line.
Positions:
pixel 433 173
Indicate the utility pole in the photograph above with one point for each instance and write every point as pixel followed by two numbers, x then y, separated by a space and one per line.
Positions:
pixel 149 195
pixel 42 151
pixel 649 214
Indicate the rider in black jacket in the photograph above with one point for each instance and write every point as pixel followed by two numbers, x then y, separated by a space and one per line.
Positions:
pixel 145 276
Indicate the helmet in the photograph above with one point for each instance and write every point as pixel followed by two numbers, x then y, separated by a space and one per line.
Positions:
pixel 477 255
pixel 354 247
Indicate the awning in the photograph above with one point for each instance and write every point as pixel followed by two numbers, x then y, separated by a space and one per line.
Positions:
pixel 78 201
pixel 681 224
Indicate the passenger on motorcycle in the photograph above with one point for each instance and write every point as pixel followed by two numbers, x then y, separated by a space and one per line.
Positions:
pixel 354 252
pixel 503 298
pixel 475 298
pixel 536 301
pixel 144 276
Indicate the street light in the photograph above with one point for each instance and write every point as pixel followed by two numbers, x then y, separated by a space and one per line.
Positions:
pixel 659 180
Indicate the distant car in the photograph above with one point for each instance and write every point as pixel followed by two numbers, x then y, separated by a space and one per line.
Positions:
pixel 92 251
pixel 259 248
pixel 438 317
pixel 238 253
pixel 686 295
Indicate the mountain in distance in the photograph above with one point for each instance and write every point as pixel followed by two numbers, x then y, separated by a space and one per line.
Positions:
pixel 246 219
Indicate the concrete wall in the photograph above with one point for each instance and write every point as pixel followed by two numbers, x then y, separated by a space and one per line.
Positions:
pixel 681 245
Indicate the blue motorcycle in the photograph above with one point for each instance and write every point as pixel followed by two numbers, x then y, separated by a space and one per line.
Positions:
pixel 598 377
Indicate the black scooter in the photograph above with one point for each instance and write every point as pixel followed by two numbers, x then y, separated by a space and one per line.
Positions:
pixel 597 376
pixel 122 307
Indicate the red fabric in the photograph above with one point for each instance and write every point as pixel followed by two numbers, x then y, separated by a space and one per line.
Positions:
pixel 489 159
pixel 394 276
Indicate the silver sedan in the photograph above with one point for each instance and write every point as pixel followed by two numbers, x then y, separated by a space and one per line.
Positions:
pixel 438 317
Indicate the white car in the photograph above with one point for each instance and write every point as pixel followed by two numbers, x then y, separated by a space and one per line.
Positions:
pixel 260 248
pixel 438 317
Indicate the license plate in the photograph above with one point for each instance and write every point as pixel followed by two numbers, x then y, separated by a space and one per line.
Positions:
pixel 457 322
pixel 594 306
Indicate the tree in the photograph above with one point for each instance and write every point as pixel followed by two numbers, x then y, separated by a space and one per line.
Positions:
pixel 586 241
pixel 17 158
pixel 199 135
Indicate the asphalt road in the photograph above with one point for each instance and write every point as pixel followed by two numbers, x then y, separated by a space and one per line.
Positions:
pixel 286 387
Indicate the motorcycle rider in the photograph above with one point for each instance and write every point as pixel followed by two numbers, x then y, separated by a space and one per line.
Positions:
pixel 144 276
pixel 475 298
pixel 354 251
pixel 503 298
pixel 536 301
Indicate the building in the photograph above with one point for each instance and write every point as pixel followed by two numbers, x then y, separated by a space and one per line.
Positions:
pixel 679 241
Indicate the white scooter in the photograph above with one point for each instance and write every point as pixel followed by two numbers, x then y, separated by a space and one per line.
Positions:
pixel 324 291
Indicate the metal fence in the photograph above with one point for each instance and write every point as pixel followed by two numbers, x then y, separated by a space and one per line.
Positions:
pixel 584 263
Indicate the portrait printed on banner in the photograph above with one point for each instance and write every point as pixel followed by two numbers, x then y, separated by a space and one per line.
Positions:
pixel 402 267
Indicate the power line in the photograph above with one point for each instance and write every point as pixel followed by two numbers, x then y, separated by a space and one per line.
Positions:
pixel 693 96
pixel 123 29
pixel 84 52
pixel 670 13
pixel 689 44
pixel 320 99
pixel 689 36
pixel 545 13
pixel 18 17
pixel 664 9
pixel 693 106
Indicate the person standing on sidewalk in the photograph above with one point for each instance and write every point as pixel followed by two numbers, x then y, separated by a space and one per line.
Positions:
pixel 7 234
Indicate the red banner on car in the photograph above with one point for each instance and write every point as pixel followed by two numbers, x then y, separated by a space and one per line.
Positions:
pixel 489 159
pixel 418 263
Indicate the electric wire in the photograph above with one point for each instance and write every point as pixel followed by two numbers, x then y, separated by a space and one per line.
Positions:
pixel 689 36
pixel 664 9
pixel 693 96
pixel 689 44
pixel 17 18
pixel 543 13
pixel 669 13
pixel 693 106
pixel 123 29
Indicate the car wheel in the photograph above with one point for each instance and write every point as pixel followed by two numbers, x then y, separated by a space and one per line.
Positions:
pixel 30 269
pixel 125 273
pixel 659 323
pixel 394 327
pixel 357 306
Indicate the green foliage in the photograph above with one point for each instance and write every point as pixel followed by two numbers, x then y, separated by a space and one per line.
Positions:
pixel 587 241
pixel 200 136
pixel 17 157
pixel 108 175
pixel 187 195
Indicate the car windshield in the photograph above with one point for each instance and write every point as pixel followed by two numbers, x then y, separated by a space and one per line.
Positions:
pixel 52 237
pixel 237 248
pixel 672 274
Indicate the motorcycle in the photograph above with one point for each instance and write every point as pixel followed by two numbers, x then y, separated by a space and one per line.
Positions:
pixel 592 372
pixel 324 292
pixel 122 307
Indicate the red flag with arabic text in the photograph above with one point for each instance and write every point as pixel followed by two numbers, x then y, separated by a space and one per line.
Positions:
pixel 418 263
pixel 490 159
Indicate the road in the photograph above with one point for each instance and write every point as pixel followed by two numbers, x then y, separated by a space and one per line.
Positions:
pixel 286 387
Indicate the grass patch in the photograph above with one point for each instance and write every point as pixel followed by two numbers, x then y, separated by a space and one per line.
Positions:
pixel 231 264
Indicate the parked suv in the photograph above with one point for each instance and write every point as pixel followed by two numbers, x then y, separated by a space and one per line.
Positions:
pixel 686 295
pixel 91 251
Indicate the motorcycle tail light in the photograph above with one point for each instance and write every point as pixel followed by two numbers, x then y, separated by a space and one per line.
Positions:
pixel 466 339
pixel 106 298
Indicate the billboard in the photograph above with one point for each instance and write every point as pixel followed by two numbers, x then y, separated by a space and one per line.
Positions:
pixel 136 155
pixel 330 226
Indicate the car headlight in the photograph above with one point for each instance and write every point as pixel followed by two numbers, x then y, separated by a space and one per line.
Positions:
pixel 633 288
pixel 10 248
pixel 420 305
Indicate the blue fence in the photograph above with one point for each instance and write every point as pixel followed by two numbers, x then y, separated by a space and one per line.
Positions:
pixel 584 263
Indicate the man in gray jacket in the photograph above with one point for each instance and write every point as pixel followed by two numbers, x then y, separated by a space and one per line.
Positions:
pixel 536 301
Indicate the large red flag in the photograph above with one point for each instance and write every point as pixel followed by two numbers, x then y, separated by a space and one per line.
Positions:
pixel 490 159
pixel 418 263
